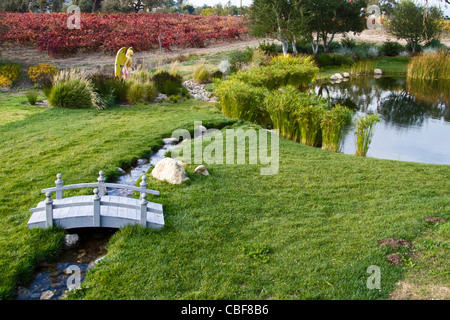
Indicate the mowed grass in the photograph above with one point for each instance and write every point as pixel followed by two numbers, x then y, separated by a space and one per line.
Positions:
pixel 308 232
pixel 37 143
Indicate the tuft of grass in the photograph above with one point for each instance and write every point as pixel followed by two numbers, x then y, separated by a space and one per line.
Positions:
pixel 32 96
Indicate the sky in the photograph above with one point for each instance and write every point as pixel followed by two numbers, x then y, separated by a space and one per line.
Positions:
pixel 249 2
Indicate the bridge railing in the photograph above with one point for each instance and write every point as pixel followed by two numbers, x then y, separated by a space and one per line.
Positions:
pixel 101 185
pixel 96 202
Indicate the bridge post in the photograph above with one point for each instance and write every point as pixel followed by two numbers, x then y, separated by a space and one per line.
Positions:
pixel 96 217
pixel 59 183
pixel 143 184
pixel 144 202
pixel 101 181
pixel 49 210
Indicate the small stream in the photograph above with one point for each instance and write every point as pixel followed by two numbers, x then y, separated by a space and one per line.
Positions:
pixel 52 278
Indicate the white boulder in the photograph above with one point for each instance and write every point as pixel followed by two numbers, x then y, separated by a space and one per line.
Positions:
pixel 377 72
pixel 170 170
pixel 346 75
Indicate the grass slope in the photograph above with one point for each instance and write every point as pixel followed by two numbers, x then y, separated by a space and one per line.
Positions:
pixel 36 143
pixel 309 232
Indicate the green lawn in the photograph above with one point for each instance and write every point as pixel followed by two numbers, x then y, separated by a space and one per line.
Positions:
pixel 308 232
pixel 389 65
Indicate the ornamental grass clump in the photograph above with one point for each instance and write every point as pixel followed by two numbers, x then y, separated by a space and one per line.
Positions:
pixel 433 66
pixel 332 125
pixel 201 74
pixel 309 119
pixel 243 101
pixel 72 89
pixel 365 126
pixel 282 105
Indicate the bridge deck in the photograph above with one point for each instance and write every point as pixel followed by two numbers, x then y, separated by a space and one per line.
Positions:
pixel 78 212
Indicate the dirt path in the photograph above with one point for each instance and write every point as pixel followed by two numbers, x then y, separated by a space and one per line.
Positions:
pixel 95 61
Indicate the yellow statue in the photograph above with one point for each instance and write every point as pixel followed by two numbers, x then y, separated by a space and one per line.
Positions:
pixel 123 67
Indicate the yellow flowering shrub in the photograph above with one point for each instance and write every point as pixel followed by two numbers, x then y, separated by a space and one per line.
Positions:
pixel 446 25
pixel 4 82
pixel 8 74
pixel 42 73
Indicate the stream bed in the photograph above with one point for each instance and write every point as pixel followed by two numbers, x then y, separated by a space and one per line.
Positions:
pixel 52 279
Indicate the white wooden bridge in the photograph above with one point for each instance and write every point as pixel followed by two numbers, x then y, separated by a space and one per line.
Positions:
pixel 99 210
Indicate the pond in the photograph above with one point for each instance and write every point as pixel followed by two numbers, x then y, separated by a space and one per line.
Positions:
pixel 415 116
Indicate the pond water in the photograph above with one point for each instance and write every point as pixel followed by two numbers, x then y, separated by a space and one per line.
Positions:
pixel 415 116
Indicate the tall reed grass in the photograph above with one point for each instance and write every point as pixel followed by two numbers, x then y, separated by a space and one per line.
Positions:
pixel 309 119
pixel 432 66
pixel 332 125
pixel 362 67
pixel 365 126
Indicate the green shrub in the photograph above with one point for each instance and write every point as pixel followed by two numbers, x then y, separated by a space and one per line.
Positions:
pixel 201 74
pixel 167 83
pixel 348 43
pixel 72 89
pixel 260 58
pixel 332 125
pixel 32 96
pixel 242 101
pixel 217 75
pixel 283 70
pixel 269 48
pixel 238 58
pixel 391 48
pixel 364 132
pixel 333 59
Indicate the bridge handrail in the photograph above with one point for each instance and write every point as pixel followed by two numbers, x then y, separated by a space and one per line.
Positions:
pixel 100 184
pixel 89 203
pixel 97 185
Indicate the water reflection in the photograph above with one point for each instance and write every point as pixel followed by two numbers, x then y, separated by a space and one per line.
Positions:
pixel 415 116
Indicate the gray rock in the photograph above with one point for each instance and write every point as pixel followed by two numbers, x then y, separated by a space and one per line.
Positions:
pixel 71 240
pixel 47 295
pixel 377 71
pixel 202 170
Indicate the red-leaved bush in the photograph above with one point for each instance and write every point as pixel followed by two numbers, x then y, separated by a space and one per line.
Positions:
pixel 110 32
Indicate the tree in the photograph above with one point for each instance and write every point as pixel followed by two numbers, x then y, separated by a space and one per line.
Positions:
pixel 14 5
pixel 84 5
pixel 280 19
pixel 130 5
pixel 331 17
pixel 414 23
